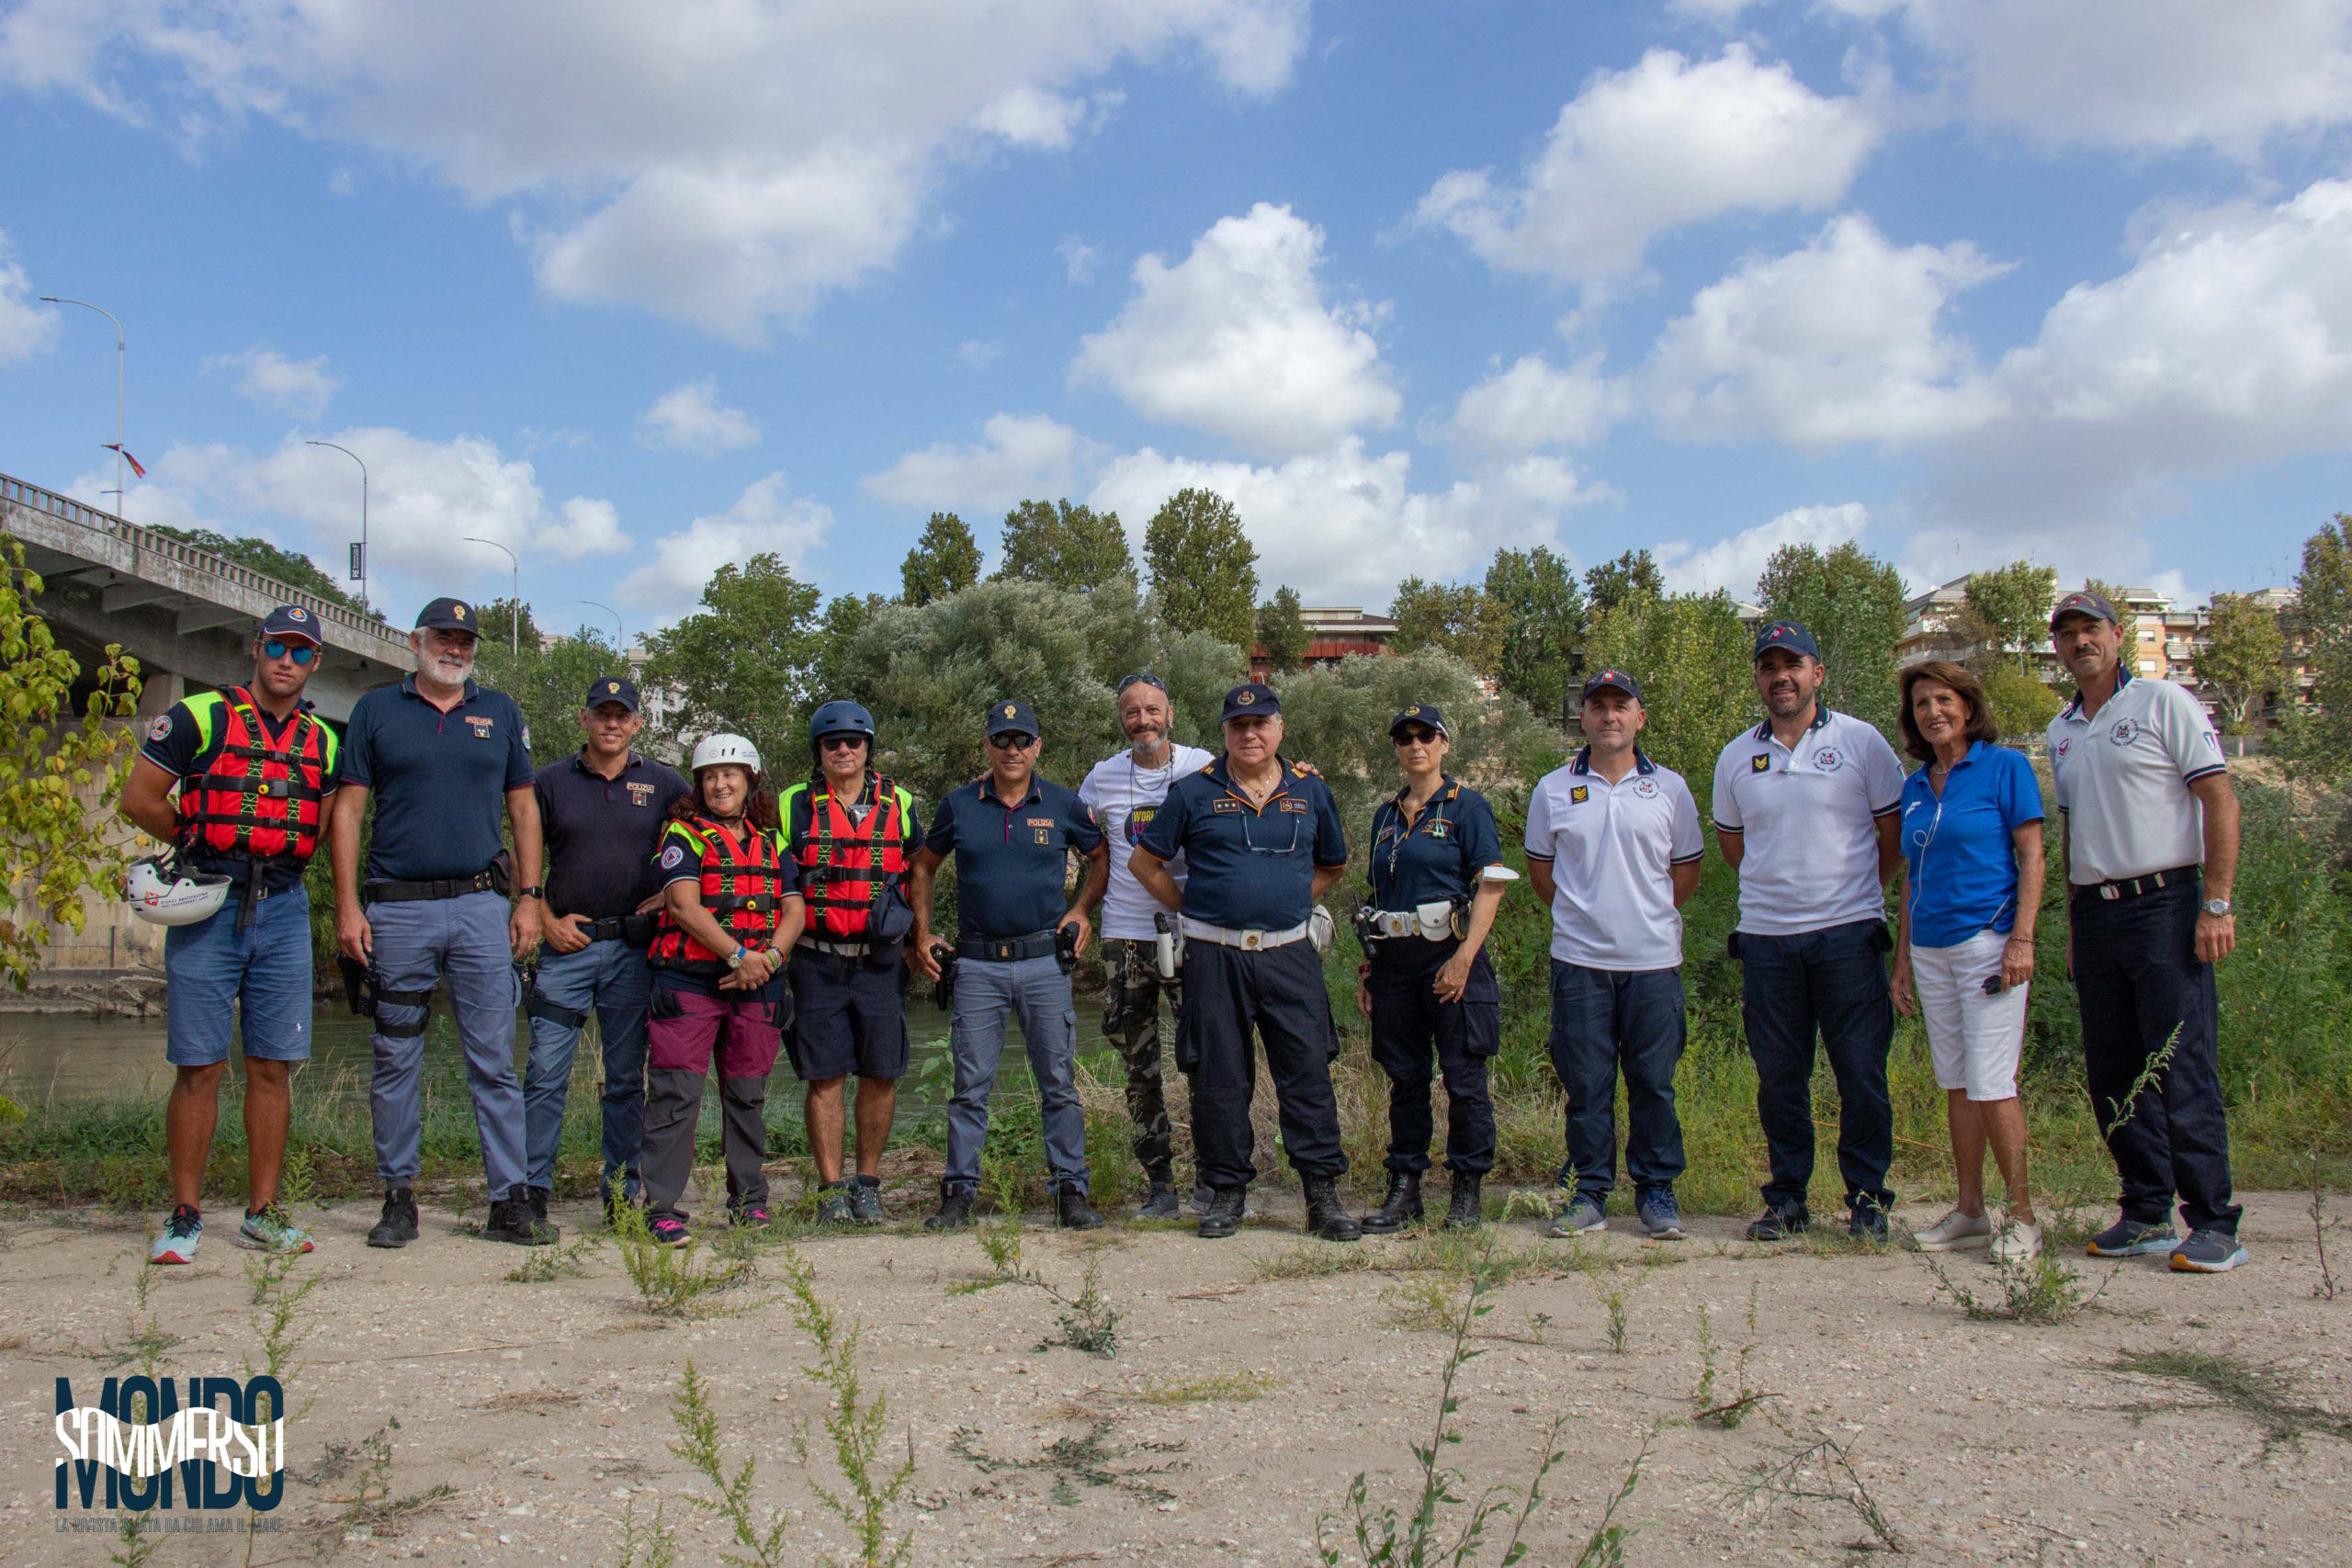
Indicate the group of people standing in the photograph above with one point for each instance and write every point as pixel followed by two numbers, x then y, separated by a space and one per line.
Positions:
pixel 712 917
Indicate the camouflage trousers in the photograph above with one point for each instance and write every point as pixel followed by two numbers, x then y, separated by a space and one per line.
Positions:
pixel 1131 1023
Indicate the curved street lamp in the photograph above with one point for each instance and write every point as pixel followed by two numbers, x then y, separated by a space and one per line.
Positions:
pixel 514 615
pixel 620 633
pixel 118 361
pixel 363 514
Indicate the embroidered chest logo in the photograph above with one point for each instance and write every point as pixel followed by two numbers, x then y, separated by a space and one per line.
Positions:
pixel 2126 731
pixel 1440 828
pixel 1761 763
pixel 1044 836
pixel 1828 760
pixel 640 794
pixel 1646 788
pixel 1579 793
pixel 481 727
pixel 2065 746
pixel 1295 807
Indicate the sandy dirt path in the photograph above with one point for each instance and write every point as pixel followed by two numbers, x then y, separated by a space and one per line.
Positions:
pixel 545 1407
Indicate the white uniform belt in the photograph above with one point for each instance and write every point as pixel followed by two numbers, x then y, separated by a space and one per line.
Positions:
pixel 1396 922
pixel 1253 942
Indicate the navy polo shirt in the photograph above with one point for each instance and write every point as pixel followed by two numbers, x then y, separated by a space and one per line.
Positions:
pixel 439 779
pixel 1964 861
pixel 1439 854
pixel 1011 861
pixel 601 833
pixel 1253 867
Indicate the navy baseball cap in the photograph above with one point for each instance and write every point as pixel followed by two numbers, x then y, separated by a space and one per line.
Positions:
pixel 1612 681
pixel 2083 603
pixel 447 615
pixel 1012 716
pixel 1788 635
pixel 1253 700
pixel 611 689
pixel 290 620
pixel 1421 713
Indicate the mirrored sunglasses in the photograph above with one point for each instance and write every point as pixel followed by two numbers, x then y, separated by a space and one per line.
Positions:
pixel 299 652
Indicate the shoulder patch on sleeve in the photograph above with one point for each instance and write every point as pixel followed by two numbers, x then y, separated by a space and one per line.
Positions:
pixel 161 728
pixel 673 857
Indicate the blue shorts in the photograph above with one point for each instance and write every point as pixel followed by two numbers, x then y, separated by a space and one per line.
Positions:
pixel 260 977
pixel 847 1019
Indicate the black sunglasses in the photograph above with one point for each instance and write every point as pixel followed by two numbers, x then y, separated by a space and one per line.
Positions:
pixel 1415 735
pixel 842 743
pixel 1012 740
pixel 299 652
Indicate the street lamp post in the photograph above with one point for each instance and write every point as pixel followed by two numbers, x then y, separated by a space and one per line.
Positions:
pixel 515 606
pixel 620 632
pixel 363 514
pixel 119 356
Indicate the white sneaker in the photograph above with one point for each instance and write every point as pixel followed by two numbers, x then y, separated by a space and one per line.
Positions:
pixel 2019 1242
pixel 1954 1231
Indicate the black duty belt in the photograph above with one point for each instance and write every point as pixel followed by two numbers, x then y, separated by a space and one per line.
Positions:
pixel 2138 887
pixel 992 950
pixel 482 881
pixel 637 930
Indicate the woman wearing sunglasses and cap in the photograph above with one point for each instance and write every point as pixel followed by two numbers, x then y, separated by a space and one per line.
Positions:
pixel 1426 983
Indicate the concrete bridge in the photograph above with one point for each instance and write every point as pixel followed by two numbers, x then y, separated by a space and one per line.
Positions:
pixel 186 614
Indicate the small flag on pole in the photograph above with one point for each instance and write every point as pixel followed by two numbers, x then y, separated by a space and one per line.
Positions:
pixel 117 446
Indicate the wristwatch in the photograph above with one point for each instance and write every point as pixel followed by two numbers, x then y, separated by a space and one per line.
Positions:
pixel 2217 905
pixel 536 890
pixel 735 959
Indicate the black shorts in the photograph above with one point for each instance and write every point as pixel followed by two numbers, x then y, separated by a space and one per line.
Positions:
pixel 848 1018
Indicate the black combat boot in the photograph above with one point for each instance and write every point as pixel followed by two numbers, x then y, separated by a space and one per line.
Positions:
pixel 538 1203
pixel 1327 1217
pixel 511 1221
pixel 398 1227
pixel 1462 1209
pixel 954 1209
pixel 1402 1207
pixel 1223 1216
pixel 1072 1211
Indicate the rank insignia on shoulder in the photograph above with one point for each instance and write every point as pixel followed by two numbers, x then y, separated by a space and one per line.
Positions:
pixel 1579 793
pixel 1761 763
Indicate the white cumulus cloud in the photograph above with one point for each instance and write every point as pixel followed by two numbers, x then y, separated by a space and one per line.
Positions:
pixel 766 519
pixel 1842 341
pixel 1641 151
pixel 691 419
pixel 267 379
pixel 1532 406
pixel 25 326
pixel 1734 564
pixel 1236 340
pixel 1019 456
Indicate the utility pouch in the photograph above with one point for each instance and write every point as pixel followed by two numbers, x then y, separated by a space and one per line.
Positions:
pixel 1434 920
pixel 1065 946
pixel 502 874
pixel 1321 929
pixel 665 1004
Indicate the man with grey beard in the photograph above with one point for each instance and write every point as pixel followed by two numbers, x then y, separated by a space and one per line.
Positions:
pixel 441 759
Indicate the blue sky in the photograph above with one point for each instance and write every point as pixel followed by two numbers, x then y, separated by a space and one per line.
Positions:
pixel 636 290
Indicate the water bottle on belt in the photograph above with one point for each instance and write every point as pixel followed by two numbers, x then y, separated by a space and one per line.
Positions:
pixel 1168 943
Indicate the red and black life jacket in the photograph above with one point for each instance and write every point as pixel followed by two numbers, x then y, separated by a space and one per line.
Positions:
pixel 839 856
pixel 256 798
pixel 740 886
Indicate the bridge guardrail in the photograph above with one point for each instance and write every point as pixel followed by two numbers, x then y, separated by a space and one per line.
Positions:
pixel 68 510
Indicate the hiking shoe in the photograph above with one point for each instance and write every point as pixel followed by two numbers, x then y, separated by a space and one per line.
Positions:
pixel 1400 1208
pixel 538 1200
pixel 2209 1251
pixel 1867 1225
pixel 954 1209
pixel 1204 1195
pixel 1580 1215
pixel 511 1221
pixel 181 1236
pixel 1160 1203
pixel 865 1201
pixel 269 1232
pixel 397 1226
pixel 667 1230
pixel 753 1217
pixel 1954 1232
pixel 2019 1242
pixel 1660 1215
pixel 2133 1239
pixel 1780 1224
pixel 832 1204
pixel 1072 1211
pixel 1223 1216
pixel 1463 1211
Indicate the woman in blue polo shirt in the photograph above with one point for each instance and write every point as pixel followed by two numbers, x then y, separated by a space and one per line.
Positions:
pixel 1427 984
pixel 1972 841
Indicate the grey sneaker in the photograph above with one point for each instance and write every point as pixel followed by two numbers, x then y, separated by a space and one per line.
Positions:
pixel 181 1236
pixel 865 1201
pixel 2133 1239
pixel 1160 1204
pixel 2210 1251
pixel 1954 1232
pixel 834 1204
pixel 1580 1216
pixel 269 1232
pixel 1660 1215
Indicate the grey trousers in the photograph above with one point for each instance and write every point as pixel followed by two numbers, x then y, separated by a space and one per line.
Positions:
pixel 460 943
pixel 987 995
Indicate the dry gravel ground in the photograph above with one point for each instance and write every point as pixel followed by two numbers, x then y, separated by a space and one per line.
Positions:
pixel 545 1407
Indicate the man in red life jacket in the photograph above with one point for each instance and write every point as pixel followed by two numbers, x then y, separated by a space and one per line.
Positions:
pixel 852 835
pixel 252 771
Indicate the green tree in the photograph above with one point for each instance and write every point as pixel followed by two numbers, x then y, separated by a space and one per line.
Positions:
pixel 834 670
pixel 55 770
pixel 1281 631
pixel 1612 584
pixel 1204 568
pixel 945 560
pixel 2239 663
pixel 1853 604
pixel 2008 608
pixel 1456 618
pixel 2317 742
pixel 293 569
pixel 548 684
pixel 1691 653
pixel 1063 546
pixel 2023 704
pixel 742 662
pixel 1541 611
pixel 492 620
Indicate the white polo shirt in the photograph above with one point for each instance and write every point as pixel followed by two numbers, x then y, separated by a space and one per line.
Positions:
pixel 1610 847
pixel 1808 819
pixel 2122 777
pixel 1124 796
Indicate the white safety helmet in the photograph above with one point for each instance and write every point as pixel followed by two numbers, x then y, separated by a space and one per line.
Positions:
pixel 714 749
pixel 185 900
